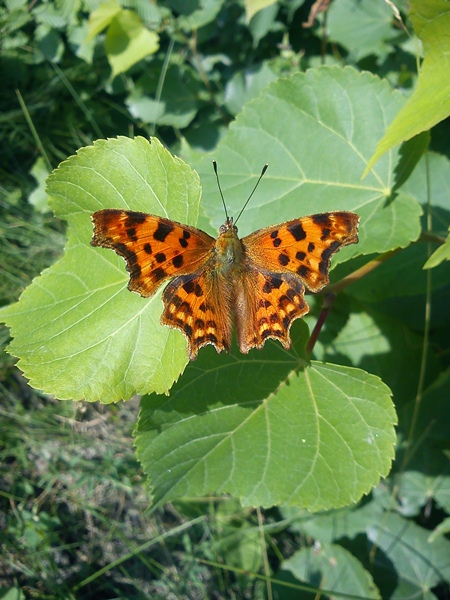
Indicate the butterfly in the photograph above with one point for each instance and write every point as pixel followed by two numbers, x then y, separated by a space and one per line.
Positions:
pixel 256 283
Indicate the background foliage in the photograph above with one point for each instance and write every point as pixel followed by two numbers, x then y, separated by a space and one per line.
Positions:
pixel 74 506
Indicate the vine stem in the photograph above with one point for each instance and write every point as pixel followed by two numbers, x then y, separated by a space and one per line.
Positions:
pixel 332 290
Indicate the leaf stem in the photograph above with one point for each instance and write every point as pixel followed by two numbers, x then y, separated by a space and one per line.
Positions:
pixel 328 302
pixel 332 290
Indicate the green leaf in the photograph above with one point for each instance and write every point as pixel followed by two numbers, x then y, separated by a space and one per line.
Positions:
pixel 246 85
pixel 405 556
pixel 374 342
pixel 38 197
pixel 331 568
pixel 317 130
pixel 196 13
pixel 178 103
pixel 426 478
pixel 364 27
pixel 430 102
pixel 101 18
pixel 78 331
pixel 401 275
pixel 314 436
pixel 263 22
pixel 240 542
pixel 348 522
pixel 128 41
pixel 439 255
pixel 440 530
pixel 254 6
pixel 429 184
pixel 428 469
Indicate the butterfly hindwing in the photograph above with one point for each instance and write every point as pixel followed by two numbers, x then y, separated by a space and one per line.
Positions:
pixel 272 303
pixel 155 249
pixel 303 246
pixel 194 304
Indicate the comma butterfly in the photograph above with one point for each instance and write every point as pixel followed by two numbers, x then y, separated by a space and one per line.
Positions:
pixel 257 282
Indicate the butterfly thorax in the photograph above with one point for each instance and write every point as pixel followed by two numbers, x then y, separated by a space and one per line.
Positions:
pixel 229 250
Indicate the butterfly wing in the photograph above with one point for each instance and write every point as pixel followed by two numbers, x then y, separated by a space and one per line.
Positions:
pixel 303 246
pixel 200 307
pixel 281 260
pixel 155 249
pixel 266 306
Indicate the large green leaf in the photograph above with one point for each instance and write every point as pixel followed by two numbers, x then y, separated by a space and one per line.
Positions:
pixel 268 429
pixel 430 102
pixel 331 568
pixel 429 184
pixel 405 556
pixel 363 27
pixel 78 331
pixel 338 524
pixel 379 344
pixel 317 130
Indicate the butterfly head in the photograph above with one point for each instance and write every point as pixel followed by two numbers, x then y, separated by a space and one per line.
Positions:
pixel 228 226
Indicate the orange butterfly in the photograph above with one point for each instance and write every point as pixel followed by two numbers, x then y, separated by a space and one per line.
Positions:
pixel 256 282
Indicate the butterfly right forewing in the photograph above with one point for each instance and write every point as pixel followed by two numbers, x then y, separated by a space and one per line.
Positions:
pixel 303 246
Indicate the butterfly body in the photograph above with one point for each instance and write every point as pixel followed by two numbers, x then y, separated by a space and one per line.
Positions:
pixel 256 283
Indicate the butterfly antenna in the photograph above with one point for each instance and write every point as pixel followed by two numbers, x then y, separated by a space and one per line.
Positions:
pixel 220 190
pixel 264 169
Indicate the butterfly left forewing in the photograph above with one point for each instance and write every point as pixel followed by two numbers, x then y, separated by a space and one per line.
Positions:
pixel 155 249
pixel 303 246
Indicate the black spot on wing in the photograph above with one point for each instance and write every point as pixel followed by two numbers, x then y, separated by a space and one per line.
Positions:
pixel 271 283
pixel 311 247
pixel 193 287
pixel 276 282
pixel 135 218
pixel 297 231
pixel 158 274
pixel 184 240
pixel 148 248
pixel 177 261
pixel 160 257
pixel 303 271
pixel 131 233
pixel 283 259
pixel 322 219
pixel 163 230
pixel 300 255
